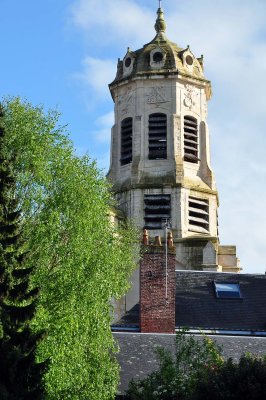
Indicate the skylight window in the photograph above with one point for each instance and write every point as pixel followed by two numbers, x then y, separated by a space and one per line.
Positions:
pixel 225 290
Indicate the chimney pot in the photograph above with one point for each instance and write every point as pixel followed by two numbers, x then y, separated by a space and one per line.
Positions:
pixel 158 241
pixel 170 242
pixel 145 239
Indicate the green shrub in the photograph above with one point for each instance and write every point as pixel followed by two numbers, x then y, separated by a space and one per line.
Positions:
pixel 245 380
pixel 177 376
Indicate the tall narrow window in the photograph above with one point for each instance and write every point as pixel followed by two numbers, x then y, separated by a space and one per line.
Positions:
pixel 126 141
pixel 157 136
pixel 198 218
pixel 190 139
pixel 157 208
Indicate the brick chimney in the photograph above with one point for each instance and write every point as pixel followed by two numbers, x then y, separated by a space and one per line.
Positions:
pixel 157 294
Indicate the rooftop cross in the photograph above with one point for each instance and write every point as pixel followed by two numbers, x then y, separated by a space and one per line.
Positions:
pixel 160 25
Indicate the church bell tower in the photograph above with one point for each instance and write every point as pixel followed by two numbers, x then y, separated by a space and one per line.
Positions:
pixel 160 155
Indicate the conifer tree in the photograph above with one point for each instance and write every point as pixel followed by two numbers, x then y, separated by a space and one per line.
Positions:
pixel 83 259
pixel 20 374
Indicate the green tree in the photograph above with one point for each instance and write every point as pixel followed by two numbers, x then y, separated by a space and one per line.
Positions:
pixel 178 375
pixel 20 374
pixel 84 261
pixel 244 380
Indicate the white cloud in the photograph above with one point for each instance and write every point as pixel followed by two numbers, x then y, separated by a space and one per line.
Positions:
pixel 103 161
pixel 232 37
pixel 117 20
pixel 97 73
pixel 226 32
pixel 105 123
pixel 106 120
pixel 103 135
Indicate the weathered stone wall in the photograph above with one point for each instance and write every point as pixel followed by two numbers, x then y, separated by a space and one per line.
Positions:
pixel 177 96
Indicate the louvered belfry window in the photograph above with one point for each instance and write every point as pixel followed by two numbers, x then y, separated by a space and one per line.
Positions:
pixel 157 208
pixel 157 136
pixel 198 219
pixel 190 139
pixel 126 141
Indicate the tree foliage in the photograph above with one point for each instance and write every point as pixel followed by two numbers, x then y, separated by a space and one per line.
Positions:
pixel 244 380
pixel 20 374
pixel 198 372
pixel 178 375
pixel 83 260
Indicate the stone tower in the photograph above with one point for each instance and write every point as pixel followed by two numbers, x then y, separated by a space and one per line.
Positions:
pixel 160 156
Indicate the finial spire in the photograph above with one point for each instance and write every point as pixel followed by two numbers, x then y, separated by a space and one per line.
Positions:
pixel 160 25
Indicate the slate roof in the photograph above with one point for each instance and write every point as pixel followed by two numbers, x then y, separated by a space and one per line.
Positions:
pixel 137 357
pixel 130 319
pixel 198 308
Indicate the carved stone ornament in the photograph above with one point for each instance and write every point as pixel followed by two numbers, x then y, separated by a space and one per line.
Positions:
pixel 126 101
pixel 157 96
pixel 177 133
pixel 190 96
pixel 205 109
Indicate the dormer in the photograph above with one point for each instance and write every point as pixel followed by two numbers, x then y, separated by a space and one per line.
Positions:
pixel 188 59
pixel 191 63
pixel 128 63
pixel 157 58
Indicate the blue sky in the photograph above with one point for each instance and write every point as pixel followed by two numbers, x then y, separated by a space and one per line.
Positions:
pixel 63 53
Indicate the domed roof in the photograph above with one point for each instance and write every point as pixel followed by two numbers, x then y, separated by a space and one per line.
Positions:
pixel 159 57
